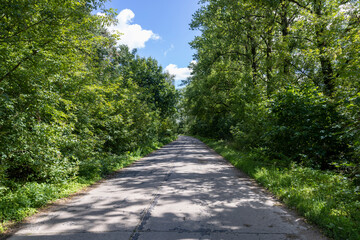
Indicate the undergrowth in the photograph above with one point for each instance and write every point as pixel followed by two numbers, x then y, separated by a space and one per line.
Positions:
pixel 21 200
pixel 327 199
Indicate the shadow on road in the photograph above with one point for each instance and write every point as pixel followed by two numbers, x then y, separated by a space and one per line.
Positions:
pixel 182 191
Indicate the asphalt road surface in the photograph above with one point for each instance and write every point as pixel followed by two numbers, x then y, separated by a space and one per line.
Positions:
pixel 182 191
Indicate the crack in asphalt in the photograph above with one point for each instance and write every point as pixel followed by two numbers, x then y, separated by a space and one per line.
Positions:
pixel 184 190
pixel 145 216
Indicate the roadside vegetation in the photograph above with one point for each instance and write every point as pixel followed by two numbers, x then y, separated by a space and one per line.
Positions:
pixel 74 106
pixel 24 199
pixel 277 83
pixel 324 198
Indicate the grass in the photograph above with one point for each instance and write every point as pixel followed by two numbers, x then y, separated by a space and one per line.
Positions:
pixel 25 199
pixel 327 199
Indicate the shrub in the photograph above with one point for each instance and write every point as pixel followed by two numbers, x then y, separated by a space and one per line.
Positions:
pixel 306 127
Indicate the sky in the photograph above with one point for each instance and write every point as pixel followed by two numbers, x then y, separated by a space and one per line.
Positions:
pixel 158 29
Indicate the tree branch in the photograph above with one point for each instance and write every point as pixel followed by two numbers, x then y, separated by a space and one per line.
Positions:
pixel 23 60
pixel 23 30
pixel 301 5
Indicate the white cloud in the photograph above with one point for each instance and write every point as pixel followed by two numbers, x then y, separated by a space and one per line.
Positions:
pixel 172 47
pixel 133 34
pixel 180 73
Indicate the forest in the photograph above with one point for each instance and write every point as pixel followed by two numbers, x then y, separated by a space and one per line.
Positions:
pixel 73 105
pixel 281 76
pixel 274 88
pixel 278 82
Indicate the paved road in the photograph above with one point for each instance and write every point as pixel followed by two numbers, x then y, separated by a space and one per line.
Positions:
pixel 182 191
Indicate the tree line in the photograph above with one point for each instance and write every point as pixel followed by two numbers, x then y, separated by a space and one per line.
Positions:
pixel 73 102
pixel 279 78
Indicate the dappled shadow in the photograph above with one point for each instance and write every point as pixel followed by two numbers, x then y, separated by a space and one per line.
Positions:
pixel 181 191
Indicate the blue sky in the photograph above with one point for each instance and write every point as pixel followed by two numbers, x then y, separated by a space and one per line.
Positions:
pixel 158 29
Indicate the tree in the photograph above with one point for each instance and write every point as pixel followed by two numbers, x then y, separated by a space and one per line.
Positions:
pixel 251 52
pixel 69 97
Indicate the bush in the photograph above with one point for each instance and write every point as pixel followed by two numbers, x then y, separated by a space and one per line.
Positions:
pixel 34 154
pixel 248 133
pixel 351 110
pixel 306 128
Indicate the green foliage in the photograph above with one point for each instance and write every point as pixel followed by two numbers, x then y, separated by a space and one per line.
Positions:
pixel 249 132
pixel 23 200
pixel 18 201
pixel 73 104
pixel 328 199
pixel 350 108
pixel 306 127
pixel 280 81
pixel 278 76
